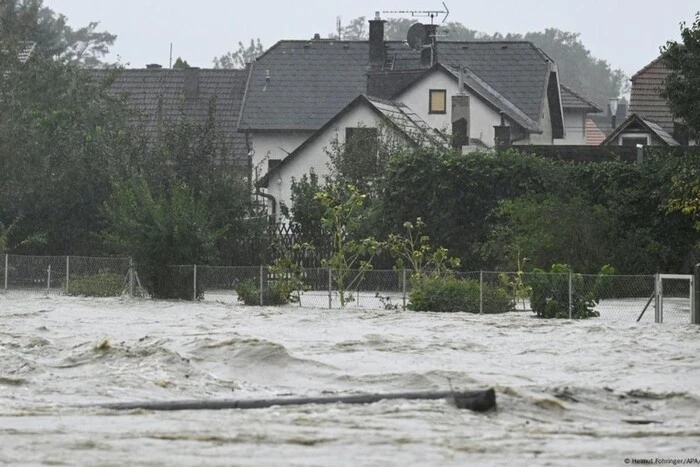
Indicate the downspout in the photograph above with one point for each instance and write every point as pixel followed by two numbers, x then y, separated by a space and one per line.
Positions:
pixel 273 201
pixel 251 152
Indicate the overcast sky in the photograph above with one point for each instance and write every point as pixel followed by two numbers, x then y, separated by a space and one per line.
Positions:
pixel 626 33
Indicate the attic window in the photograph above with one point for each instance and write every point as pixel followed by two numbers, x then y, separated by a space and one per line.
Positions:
pixel 437 101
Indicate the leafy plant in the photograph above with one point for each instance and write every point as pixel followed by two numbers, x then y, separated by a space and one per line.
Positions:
pixel 451 294
pixel 102 284
pixel 277 292
pixel 550 293
pixel 414 251
pixel 350 259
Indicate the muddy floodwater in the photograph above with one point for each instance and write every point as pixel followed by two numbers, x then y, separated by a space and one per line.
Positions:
pixel 595 392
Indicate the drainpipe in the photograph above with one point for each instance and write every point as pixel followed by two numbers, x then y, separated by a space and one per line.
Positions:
pixel 273 201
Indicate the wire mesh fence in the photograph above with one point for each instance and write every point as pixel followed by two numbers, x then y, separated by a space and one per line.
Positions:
pixel 70 275
pixel 641 298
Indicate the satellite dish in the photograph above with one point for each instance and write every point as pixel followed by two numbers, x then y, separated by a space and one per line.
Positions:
pixel 416 36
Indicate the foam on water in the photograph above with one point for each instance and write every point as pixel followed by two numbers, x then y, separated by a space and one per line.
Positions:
pixel 568 392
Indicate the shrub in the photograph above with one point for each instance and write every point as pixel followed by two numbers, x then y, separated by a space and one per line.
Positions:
pixel 103 284
pixel 549 296
pixel 278 292
pixel 450 294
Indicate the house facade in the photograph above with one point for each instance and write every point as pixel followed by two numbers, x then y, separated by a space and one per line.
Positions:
pixel 651 122
pixel 297 88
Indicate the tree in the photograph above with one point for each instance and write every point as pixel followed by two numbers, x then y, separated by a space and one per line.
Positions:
pixel 239 58
pixel 181 64
pixel 682 89
pixel 24 21
pixel 63 136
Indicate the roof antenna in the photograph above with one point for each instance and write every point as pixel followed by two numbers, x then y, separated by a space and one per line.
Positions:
pixel 171 56
pixel 432 14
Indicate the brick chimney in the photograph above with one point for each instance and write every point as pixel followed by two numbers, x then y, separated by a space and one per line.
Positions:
pixel 503 136
pixel 377 52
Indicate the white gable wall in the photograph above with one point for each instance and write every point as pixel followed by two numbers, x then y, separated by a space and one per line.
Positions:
pixel 314 154
pixel 482 117
pixel 544 138
pixel 274 145
pixel 574 126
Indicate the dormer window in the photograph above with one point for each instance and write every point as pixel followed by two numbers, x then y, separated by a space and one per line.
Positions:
pixel 437 101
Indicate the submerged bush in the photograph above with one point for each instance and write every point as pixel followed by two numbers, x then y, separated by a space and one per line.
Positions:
pixel 103 284
pixel 549 295
pixel 278 292
pixel 450 294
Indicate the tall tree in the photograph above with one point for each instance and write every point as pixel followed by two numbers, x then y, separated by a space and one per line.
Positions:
pixel 24 21
pixel 682 88
pixel 241 56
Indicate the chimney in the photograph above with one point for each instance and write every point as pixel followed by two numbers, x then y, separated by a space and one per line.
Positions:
pixel 317 37
pixel 377 51
pixel 503 137
pixel 428 56
pixel 154 66
pixel 460 121
pixel 191 88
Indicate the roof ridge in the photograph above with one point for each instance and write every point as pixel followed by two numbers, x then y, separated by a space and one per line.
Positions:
pixel 646 67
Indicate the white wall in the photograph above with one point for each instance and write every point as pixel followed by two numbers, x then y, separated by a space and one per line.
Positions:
pixel 482 117
pixel 575 127
pixel 314 154
pixel 545 137
pixel 274 145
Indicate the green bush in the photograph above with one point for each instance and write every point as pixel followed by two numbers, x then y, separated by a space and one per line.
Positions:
pixel 549 296
pixel 103 284
pixel 278 292
pixel 450 294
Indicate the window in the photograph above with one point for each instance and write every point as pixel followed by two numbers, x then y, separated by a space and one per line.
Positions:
pixel 437 101
pixel 634 140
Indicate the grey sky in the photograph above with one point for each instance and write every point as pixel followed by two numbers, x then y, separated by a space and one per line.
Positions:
pixel 626 33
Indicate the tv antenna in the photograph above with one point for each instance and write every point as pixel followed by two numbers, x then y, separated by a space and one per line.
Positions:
pixel 432 14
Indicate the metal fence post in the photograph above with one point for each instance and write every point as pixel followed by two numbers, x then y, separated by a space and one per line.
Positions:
pixel 404 289
pixel 695 297
pixel 131 278
pixel 67 271
pixel 481 292
pixel 261 285
pixel 330 288
pixel 194 297
pixel 7 269
pixel 571 301
pixel 657 301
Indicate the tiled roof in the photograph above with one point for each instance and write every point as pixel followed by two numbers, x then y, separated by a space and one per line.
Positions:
pixel 570 99
pixel 176 93
pixel 482 88
pixel 594 136
pixel 646 99
pixel 636 122
pixel 398 115
pixel 311 81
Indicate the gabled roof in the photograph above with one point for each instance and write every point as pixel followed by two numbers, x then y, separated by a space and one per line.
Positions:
pixel 397 115
pixel 493 97
pixel 646 99
pixel 572 100
pixel 594 136
pixel 174 94
pixel 646 125
pixel 311 81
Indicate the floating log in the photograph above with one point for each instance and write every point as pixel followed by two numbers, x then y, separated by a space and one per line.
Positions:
pixel 478 401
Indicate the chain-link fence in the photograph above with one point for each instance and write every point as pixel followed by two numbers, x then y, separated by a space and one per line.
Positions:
pixel 70 275
pixel 641 298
